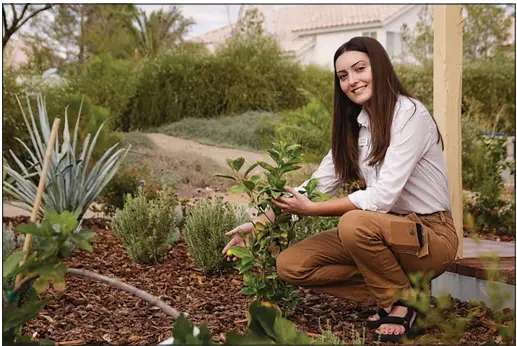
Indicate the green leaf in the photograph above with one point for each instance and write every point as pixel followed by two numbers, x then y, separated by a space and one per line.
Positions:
pixel 238 189
pixel 262 319
pixel 240 251
pixel 237 163
pixel 249 184
pixel 182 328
pixel 266 166
pixel 313 183
pixel 11 264
pixel 288 335
pixel 250 168
pixel 225 176
pixel 13 317
pixel 67 220
pixel 233 338
pixel 276 194
pixel 249 290
pixel 31 228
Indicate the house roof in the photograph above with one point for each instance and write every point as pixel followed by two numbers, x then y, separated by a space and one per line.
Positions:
pixel 291 24
pixel 313 17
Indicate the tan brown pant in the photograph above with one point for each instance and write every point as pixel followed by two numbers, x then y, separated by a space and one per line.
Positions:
pixel 369 256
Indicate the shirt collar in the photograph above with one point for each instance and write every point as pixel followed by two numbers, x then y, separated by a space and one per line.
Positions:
pixel 363 119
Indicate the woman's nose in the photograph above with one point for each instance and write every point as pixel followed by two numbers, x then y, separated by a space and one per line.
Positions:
pixel 352 79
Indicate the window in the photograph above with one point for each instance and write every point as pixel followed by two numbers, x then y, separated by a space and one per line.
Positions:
pixel 393 44
pixel 372 34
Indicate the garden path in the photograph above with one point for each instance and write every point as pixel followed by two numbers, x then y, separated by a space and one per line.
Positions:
pixel 219 154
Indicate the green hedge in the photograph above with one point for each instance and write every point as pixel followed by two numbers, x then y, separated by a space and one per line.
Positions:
pixel 108 82
pixel 244 76
pixel 488 86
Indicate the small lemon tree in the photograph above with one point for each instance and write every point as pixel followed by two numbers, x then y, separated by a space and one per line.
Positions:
pixel 258 260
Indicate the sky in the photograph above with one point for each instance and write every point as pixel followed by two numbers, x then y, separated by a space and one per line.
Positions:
pixel 206 17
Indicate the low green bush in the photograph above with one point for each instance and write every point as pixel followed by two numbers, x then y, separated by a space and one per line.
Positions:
pixel 235 131
pixel 312 225
pixel 205 225
pixel 147 228
pixel 309 126
pixel 128 179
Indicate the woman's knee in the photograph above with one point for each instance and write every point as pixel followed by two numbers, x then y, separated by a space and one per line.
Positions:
pixel 286 267
pixel 354 226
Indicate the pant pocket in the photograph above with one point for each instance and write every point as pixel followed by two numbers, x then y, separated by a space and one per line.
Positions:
pixel 402 237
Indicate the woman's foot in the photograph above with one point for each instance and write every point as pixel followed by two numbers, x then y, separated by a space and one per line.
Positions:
pixel 376 317
pixel 399 328
pixel 375 320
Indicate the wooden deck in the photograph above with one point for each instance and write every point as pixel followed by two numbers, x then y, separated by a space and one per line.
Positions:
pixel 486 256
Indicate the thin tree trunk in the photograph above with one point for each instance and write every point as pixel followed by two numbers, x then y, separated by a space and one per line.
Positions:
pixel 128 288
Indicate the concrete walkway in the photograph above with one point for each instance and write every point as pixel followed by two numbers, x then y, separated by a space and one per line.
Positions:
pixel 474 249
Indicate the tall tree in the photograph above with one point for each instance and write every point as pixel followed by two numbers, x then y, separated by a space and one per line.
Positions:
pixel 159 31
pixel 78 31
pixel 19 16
pixel 485 30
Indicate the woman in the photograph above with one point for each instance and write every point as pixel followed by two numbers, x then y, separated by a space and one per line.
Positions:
pixel 401 223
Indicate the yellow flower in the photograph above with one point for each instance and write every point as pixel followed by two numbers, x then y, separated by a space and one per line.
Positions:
pixel 229 253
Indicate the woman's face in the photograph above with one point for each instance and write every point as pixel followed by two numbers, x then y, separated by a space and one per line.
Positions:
pixel 354 72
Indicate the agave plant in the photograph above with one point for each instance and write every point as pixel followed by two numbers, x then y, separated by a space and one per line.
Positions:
pixel 69 185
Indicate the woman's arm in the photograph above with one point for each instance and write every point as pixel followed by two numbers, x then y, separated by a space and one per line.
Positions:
pixel 301 205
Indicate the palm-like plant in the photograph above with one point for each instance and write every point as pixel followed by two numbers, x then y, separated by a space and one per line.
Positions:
pixel 159 31
pixel 69 184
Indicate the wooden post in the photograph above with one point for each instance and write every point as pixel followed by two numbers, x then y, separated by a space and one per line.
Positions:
pixel 39 194
pixel 448 58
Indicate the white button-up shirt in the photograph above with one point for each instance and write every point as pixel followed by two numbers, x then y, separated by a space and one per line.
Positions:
pixel 412 178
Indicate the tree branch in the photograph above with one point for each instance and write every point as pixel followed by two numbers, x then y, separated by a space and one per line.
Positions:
pixel 128 288
pixel 24 10
pixel 47 6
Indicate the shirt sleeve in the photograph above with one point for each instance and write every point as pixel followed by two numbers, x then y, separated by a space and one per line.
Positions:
pixel 410 136
pixel 328 183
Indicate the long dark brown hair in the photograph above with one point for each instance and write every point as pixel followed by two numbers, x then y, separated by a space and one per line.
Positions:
pixel 345 129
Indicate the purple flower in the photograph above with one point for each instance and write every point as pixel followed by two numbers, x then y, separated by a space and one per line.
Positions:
pixel 142 182
pixel 196 198
pixel 198 190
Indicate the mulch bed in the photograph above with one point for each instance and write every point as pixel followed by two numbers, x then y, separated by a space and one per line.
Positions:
pixel 93 312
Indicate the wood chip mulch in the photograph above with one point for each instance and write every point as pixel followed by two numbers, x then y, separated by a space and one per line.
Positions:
pixel 92 312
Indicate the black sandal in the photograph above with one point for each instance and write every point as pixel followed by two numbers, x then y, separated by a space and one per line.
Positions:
pixel 374 324
pixel 409 331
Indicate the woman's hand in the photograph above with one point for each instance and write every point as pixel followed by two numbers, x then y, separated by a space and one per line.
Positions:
pixel 299 204
pixel 237 239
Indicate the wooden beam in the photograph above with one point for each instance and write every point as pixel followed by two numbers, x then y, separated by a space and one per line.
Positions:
pixel 448 57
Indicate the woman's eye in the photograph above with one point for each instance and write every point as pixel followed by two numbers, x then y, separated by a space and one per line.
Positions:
pixel 360 69
pixel 343 77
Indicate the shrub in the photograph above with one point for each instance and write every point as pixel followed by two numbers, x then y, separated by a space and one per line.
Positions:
pixel 9 243
pixel 147 227
pixel 108 83
pixel 234 80
pixel 494 215
pixel 312 225
pixel 205 225
pixel 495 99
pixel 309 126
pixel 128 179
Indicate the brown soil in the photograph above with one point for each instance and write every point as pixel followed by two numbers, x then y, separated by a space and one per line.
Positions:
pixel 92 312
